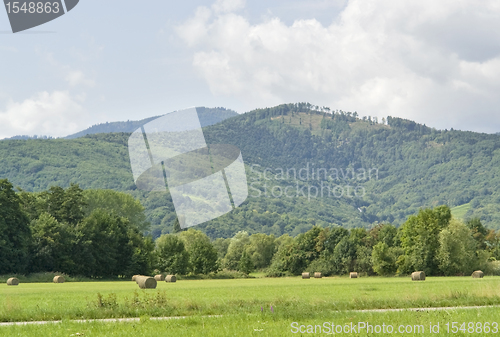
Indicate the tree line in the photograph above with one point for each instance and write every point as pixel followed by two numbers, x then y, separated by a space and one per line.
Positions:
pixel 431 241
pixel 98 233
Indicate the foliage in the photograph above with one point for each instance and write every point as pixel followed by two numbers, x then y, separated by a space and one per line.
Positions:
pixel 457 250
pixel 416 166
pixel 15 233
pixel 235 250
pixel 245 265
pixel 103 245
pixel 172 255
pixel 51 245
pixel 383 259
pixel 420 240
pixel 91 233
pixel 119 203
pixel 261 250
pixel 202 254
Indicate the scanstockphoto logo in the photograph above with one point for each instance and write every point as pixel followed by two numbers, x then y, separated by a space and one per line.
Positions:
pixel 28 14
pixel 205 181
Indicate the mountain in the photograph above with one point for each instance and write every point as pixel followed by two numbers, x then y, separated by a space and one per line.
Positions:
pixel 208 116
pixel 375 172
pixel 26 137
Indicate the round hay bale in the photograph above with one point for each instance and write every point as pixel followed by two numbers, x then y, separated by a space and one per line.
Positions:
pixel 58 279
pixel 159 277
pixel 12 281
pixel 146 282
pixel 418 276
pixel 478 274
pixel 353 275
pixel 318 275
pixel 171 278
pixel 134 278
pixel 306 275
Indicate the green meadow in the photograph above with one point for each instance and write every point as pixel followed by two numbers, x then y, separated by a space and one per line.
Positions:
pixel 280 325
pixel 244 305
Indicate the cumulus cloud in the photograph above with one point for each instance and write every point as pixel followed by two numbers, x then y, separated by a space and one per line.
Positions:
pixel 55 114
pixel 434 62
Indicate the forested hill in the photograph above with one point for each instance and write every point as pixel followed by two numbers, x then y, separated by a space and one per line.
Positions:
pixel 395 166
pixel 208 116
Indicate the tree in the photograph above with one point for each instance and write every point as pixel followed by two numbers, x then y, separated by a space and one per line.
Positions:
pixel 457 251
pixel 143 257
pixel 383 259
pixel 344 256
pixel 103 245
pixel 420 240
pixel 65 205
pixel 479 232
pixel 51 247
pixel 15 234
pixel 235 250
pixel 177 226
pixel 261 250
pixel 291 258
pixel 311 243
pixel 383 233
pixel 202 254
pixel 172 255
pixel 332 237
pixel 119 203
pixel 245 265
pixel 222 246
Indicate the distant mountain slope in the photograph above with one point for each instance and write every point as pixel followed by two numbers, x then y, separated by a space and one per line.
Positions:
pixel 26 137
pixel 208 116
pixel 415 166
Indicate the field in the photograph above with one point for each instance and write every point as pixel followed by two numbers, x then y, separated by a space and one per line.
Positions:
pixel 242 307
pixel 460 211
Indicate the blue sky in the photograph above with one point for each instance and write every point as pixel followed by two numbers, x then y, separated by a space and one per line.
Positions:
pixel 434 62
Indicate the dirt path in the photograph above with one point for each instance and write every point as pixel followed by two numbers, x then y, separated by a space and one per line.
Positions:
pixel 119 320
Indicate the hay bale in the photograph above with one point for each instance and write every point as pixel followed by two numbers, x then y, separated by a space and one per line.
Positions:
pixel 305 275
pixel 58 279
pixel 353 275
pixel 478 274
pixel 134 278
pixel 12 281
pixel 317 275
pixel 159 277
pixel 418 276
pixel 146 282
pixel 171 278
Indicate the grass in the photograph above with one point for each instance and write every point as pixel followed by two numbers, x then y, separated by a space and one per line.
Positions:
pixel 460 211
pixel 267 324
pixel 44 278
pixel 290 297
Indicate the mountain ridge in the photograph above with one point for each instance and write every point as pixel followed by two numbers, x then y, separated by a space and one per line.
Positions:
pixel 418 166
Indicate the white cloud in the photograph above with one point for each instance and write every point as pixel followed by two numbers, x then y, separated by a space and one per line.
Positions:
pixel 74 77
pixel 226 6
pixel 77 77
pixel 434 62
pixel 56 114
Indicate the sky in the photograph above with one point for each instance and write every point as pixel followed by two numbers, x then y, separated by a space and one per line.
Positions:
pixel 435 62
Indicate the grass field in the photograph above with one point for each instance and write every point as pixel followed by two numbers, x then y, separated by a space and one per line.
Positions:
pixel 312 301
pixel 460 211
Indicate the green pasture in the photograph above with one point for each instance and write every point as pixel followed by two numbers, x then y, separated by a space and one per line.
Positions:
pixel 291 298
pixel 268 324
